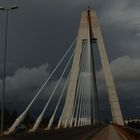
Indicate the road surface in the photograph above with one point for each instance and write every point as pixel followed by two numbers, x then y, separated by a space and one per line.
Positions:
pixel 81 133
pixel 107 133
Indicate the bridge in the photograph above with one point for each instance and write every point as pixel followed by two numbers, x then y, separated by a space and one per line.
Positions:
pixel 80 117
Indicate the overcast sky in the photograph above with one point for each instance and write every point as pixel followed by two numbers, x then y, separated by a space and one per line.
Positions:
pixel 40 31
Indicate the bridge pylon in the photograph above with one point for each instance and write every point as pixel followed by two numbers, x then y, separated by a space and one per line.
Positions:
pixel 90 32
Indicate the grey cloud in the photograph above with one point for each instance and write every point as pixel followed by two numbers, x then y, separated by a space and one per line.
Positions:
pixel 25 83
pixel 123 13
pixel 120 22
pixel 125 68
pixel 25 77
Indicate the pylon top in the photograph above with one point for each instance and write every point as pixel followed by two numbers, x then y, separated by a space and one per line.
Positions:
pixel 88 10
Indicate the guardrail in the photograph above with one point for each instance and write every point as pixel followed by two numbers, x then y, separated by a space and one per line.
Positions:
pixel 124 132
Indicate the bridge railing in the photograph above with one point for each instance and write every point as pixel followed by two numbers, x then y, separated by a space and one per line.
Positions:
pixel 124 132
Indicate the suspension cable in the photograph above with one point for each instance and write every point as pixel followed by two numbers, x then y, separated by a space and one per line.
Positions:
pixel 53 71
pixel 81 102
pixel 84 58
pixel 39 119
pixel 22 115
pixel 62 93
pixel 79 90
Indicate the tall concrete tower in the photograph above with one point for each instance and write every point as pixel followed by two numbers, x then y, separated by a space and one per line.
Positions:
pixel 71 91
pixel 112 95
pixel 90 30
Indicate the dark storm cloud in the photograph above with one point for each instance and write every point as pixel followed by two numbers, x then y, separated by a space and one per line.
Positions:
pixel 47 27
pixel 23 86
pixel 40 31
pixel 124 69
pixel 25 81
pixel 11 68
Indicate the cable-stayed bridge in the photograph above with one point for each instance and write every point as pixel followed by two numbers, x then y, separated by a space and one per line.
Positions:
pixel 80 117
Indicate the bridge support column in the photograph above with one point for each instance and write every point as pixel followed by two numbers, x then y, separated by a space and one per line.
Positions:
pixel 68 108
pixel 112 94
pixel 90 30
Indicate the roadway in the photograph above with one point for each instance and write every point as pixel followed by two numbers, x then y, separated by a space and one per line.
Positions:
pixel 107 133
pixel 97 132
pixel 79 133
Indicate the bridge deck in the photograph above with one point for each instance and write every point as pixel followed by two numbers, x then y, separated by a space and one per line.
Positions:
pixel 77 133
pixel 107 133
pixel 112 135
pixel 97 132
